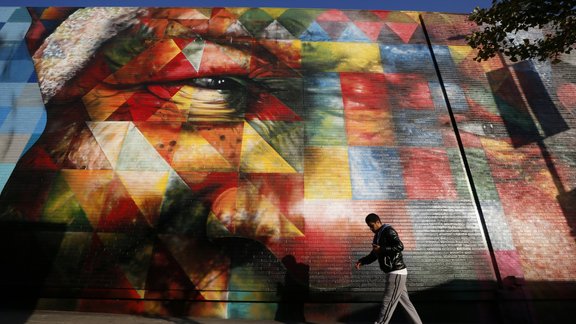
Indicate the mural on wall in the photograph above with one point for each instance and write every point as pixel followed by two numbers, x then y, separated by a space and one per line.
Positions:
pixel 230 155
pixel 517 125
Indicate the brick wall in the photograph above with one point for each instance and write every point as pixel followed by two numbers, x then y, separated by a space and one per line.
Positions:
pixel 515 127
pixel 220 162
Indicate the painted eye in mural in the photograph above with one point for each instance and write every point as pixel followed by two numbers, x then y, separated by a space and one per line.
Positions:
pixel 220 98
pixel 219 83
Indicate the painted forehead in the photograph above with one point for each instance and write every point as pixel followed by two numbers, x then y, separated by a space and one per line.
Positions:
pixel 281 46
pixel 274 23
pixel 258 42
pixel 301 57
pixel 266 42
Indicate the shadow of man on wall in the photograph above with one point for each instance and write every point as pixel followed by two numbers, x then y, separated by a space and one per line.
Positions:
pixel 293 292
pixel 28 251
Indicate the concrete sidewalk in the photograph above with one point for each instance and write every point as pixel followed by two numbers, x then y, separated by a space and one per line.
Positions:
pixel 64 317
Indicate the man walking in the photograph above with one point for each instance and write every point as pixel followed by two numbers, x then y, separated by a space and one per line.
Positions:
pixel 387 249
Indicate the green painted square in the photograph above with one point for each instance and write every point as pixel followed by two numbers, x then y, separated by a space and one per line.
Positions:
pixel 296 21
pixel 325 126
pixel 457 170
pixel 255 20
pixel 482 174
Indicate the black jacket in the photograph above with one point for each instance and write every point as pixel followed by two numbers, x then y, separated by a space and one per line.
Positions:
pixel 390 256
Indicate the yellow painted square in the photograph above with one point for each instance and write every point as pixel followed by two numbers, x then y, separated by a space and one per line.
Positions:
pixel 341 57
pixel 327 173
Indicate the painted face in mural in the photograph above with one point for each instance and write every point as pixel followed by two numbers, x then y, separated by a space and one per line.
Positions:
pixel 198 147
pixel 195 128
pixel 187 151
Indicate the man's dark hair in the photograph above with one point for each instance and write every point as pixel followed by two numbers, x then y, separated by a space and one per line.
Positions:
pixel 372 218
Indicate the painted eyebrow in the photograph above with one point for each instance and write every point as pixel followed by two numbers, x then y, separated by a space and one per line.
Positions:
pixel 250 45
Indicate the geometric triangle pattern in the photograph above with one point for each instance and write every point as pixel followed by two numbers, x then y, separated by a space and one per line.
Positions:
pixel 354 34
pixel 459 53
pixel 403 30
pixel 186 155
pixel 110 136
pixel 259 157
pixel 190 124
pixel 22 113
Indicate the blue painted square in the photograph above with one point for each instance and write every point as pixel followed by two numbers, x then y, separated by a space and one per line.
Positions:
pixel 456 97
pixel 376 173
pixel 5 172
pixel 324 110
pixel 21 121
pixel 325 127
pixel 408 58
pixel 10 91
pixel 4 111
pixel 6 12
pixel 443 57
pixel 4 65
pixel 417 128
pixel 14 31
pixel 17 71
pixel 21 52
pixel 7 49
pixel 20 15
pixel 323 90
pixel 315 33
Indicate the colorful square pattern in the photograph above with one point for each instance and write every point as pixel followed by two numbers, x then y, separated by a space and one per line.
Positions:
pixel 216 154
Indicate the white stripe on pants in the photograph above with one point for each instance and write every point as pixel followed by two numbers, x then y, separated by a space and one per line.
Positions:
pixel 395 291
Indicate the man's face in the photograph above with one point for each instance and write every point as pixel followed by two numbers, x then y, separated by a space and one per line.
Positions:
pixel 199 126
pixel 212 119
pixel 374 226
pixel 193 128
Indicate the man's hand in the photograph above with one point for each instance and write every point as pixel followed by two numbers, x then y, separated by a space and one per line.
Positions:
pixel 358 265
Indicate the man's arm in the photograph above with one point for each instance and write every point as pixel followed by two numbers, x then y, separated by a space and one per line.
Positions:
pixel 367 259
pixel 393 243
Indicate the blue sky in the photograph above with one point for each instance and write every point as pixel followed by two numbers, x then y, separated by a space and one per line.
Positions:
pixel 453 6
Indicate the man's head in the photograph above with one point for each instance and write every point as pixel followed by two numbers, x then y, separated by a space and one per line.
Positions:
pixel 203 125
pixel 373 222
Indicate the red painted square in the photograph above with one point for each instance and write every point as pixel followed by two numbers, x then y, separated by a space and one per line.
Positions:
pixel 410 91
pixel 366 108
pixel 427 174
pixel 364 91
